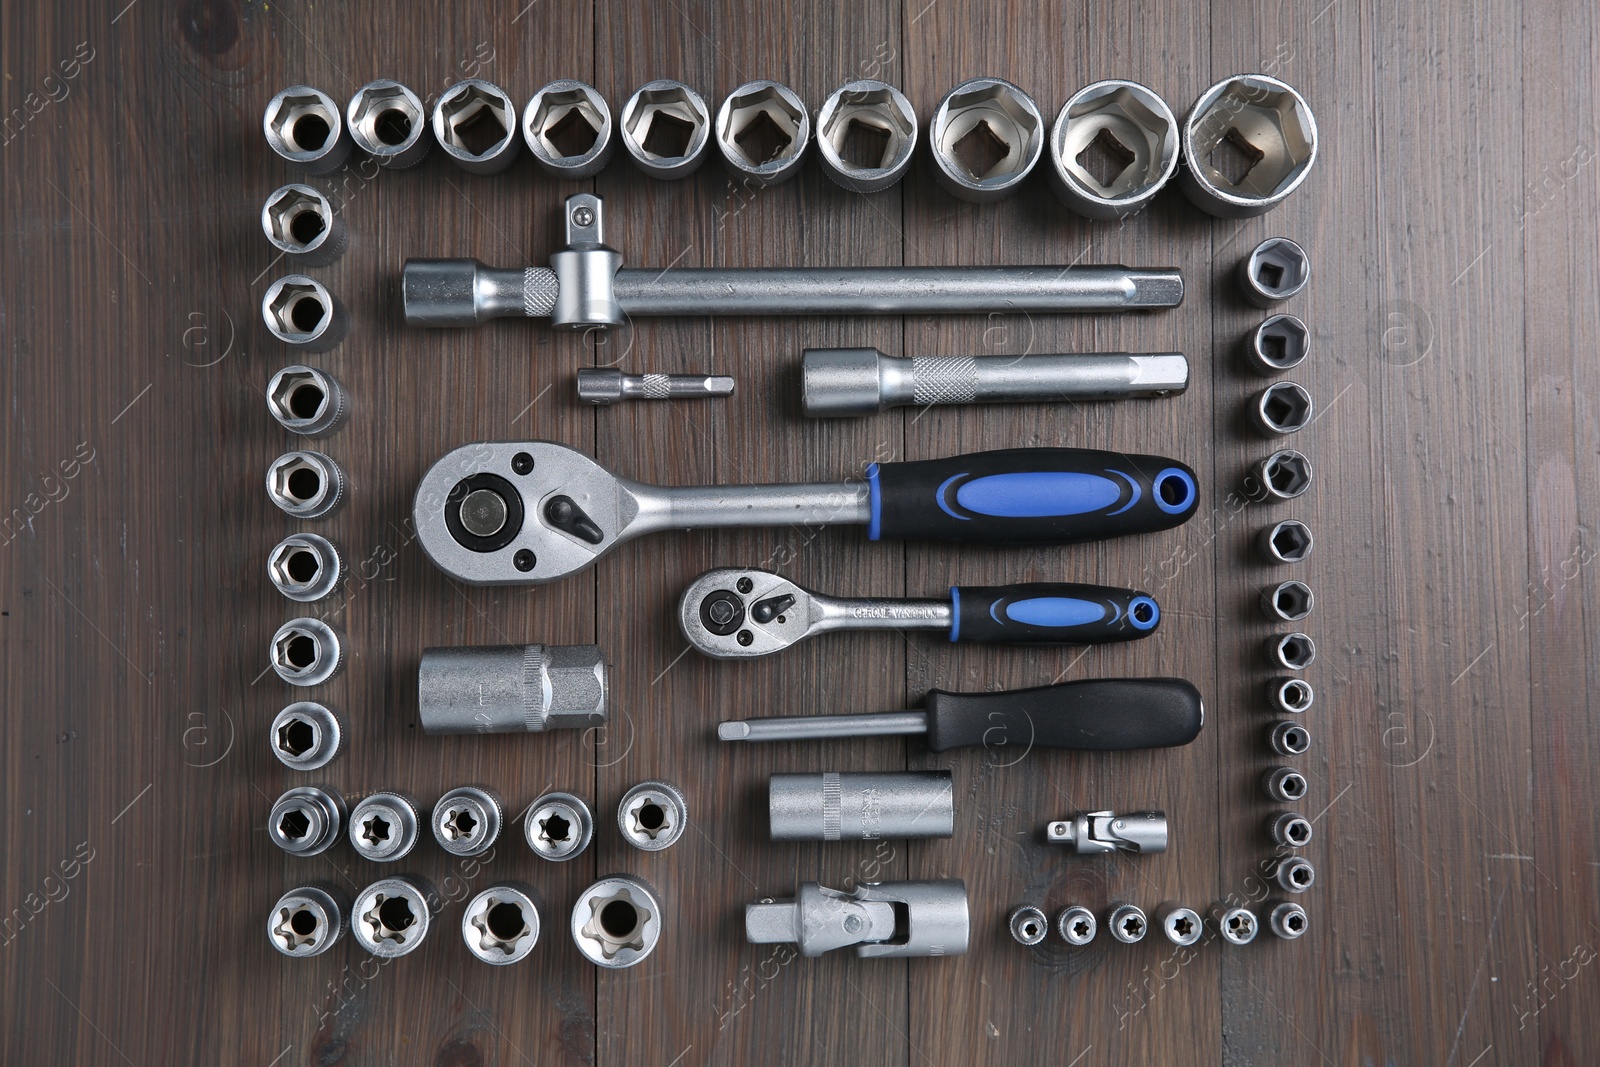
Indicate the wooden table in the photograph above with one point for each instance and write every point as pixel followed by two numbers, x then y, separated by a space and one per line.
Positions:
pixel 1452 221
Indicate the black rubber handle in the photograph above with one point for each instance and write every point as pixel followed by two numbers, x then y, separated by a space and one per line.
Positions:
pixel 1063 613
pixel 1030 496
pixel 1100 715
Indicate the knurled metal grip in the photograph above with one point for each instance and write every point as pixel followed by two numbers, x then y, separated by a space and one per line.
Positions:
pixel 944 381
pixel 539 291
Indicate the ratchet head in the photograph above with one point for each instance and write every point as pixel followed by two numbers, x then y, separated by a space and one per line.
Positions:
pixel 520 512
pixel 737 612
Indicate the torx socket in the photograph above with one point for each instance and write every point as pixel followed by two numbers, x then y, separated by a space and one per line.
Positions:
pixel 497 689
pixel 852 806
pixel 604 386
pixel 860 381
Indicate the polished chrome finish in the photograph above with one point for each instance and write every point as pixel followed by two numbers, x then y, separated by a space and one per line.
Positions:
pixel 567 126
pixel 604 386
pixel 305 484
pixel 1237 925
pixel 1077 925
pixel 860 805
pixel 1288 601
pixel 1284 784
pixel 1248 142
pixel 300 311
pixel 301 223
pixel 307 401
pixel 392 915
pixel 1283 475
pixel 986 136
pixel 308 920
pixel 665 129
pixel 501 924
pixel 866 135
pixel 466 821
pixel 1183 926
pixel 558 827
pixel 390 124
pixel 1105 831
pixel 653 815
pixel 307 651
pixel 1280 343
pixel 1128 923
pixel 617 921
pixel 1289 829
pixel 1287 919
pixel 1280 409
pixel 306 735
pixel 1288 738
pixel 305 567
pixel 883 920
pixel 384 826
pixel 1285 542
pixel 763 131
pixel 1276 270
pixel 306 820
pixel 496 689
pixel 305 127
pixel 1114 146
pixel 475 122
pixel 1027 924
pixel 1294 874
pixel 1292 652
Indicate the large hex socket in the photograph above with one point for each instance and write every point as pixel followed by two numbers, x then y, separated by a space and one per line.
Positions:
pixel 986 136
pixel 1248 142
pixel 850 806
pixel 475 122
pixel 567 126
pixel 665 128
pixel 763 131
pixel 866 135
pixel 1114 145
pixel 501 689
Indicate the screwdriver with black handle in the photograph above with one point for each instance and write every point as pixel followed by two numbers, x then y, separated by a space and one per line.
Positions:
pixel 1096 715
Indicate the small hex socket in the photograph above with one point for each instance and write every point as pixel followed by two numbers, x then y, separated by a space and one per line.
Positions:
pixel 392 916
pixel 1275 270
pixel 1182 926
pixel 1288 738
pixel 986 136
pixel 1077 925
pixel 300 311
pixel 1289 829
pixel 1284 784
pixel 1248 142
pixel 653 815
pixel 1294 874
pixel 1113 147
pixel 307 651
pixel 1292 695
pixel 1027 924
pixel 306 820
pixel 1237 925
pixel 306 735
pixel 308 920
pixel 1292 652
pixel 301 223
pixel 763 131
pixel 307 401
pixel 1287 919
pixel 1127 923
pixel 501 924
pixel 1279 344
pixel 617 921
pixel 384 826
pixel 475 122
pixel 558 827
pixel 567 127
pixel 1285 542
pixel 1280 409
pixel 305 127
pixel 388 122
pixel 466 821
pixel 305 567
pixel 1283 475
pixel 1288 601
pixel 866 135
pixel 306 485
pixel 665 129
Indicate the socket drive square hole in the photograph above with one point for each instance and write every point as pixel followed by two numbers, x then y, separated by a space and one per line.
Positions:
pixel 1105 158
pixel 664 123
pixel 981 151
pixel 476 121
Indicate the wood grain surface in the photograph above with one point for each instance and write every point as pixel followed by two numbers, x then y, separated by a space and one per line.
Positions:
pixel 1453 220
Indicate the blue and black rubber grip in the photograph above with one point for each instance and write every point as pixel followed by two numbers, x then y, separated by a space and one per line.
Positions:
pixel 1029 496
pixel 1098 715
pixel 1051 613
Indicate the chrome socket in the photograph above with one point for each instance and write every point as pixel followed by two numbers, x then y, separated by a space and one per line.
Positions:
pixel 306 736
pixel 763 131
pixel 1283 475
pixel 305 127
pixel 1287 919
pixel 652 815
pixel 1279 344
pixel 1287 601
pixel 501 924
pixel 306 485
pixel 1289 829
pixel 512 688
pixel 1248 142
pixel 1077 925
pixel 1128 923
pixel 558 827
pixel 1294 874
pixel 986 135
pixel 301 223
pixel 307 651
pixel 1284 784
pixel 1276 270
pixel 1288 738
pixel 880 920
pixel 1280 409
pixel 1286 542
pixel 1112 149
pixel 392 915
pixel 860 805
pixel 1182 926
pixel 307 401
pixel 305 567
pixel 384 827
pixel 567 127
pixel 300 311
pixel 866 135
pixel 308 920
pixel 1027 924
pixel 617 921
pixel 466 821
pixel 1236 925
pixel 1292 652
pixel 306 820
pixel 475 122
pixel 1291 695
pixel 388 122
pixel 665 129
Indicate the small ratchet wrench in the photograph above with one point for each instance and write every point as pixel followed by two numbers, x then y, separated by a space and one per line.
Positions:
pixel 528 512
pixel 734 613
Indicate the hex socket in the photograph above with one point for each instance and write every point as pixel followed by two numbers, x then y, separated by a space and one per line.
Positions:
pixel 665 129
pixel 300 311
pixel 388 122
pixel 1289 829
pixel 1288 738
pixel 475 122
pixel 305 567
pixel 1280 409
pixel 307 401
pixel 1288 601
pixel 306 735
pixel 300 222
pixel 1287 919
pixel 1289 541
pixel 866 135
pixel 306 820
pixel 305 484
pixel 568 128
pixel 763 131
pixel 1248 142
pixel 1283 475
pixel 1118 131
pixel 985 136
pixel 305 127
pixel 306 651
pixel 1291 695
pixel 860 806
pixel 1284 784
pixel 498 689
pixel 1279 343
pixel 1275 270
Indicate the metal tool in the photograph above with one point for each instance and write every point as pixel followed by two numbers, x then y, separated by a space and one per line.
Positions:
pixel 1277 345
pixel 305 567
pixel 1284 784
pixel 617 921
pixel 1280 409
pixel 653 815
pixel 307 401
pixel 305 127
pixel 475 122
pixel 1288 738
pixel 306 820
pixel 1286 542
pixel 665 129
pixel 587 286
pixel 883 920
pixel 308 920
pixel 1287 919
pixel 1248 142
pixel 300 222
pixel 866 135
pixel 306 651
pixel 985 137
pixel 860 806
pixel 1183 926
pixel 306 484
pixel 1283 475
pixel 1294 874
pixel 392 916
pixel 603 386
pixel 859 381
pixel 763 131
pixel 466 821
pixel 384 826
pixel 558 827
pixel 1105 831
pixel 498 689
pixel 740 612
pixel 1288 601
pixel 1092 715
pixel 1237 925
pixel 388 122
pixel 1275 270
pixel 567 126
pixel 1292 652
pixel 501 924
pixel 306 736
pixel 1077 925
pixel 1128 923
pixel 1289 829
pixel 300 311
pixel 1112 149
pixel 1027 924
pixel 528 512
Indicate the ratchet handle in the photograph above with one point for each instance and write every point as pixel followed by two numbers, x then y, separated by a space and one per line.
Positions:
pixel 1063 613
pixel 1029 496
pixel 1101 715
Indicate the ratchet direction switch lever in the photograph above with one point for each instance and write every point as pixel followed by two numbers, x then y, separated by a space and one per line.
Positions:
pixel 528 512
pixel 734 613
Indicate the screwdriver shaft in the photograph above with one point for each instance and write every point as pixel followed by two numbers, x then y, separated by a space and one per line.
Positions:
pixel 814 727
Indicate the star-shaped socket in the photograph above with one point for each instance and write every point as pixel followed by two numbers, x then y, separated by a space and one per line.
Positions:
pixel 298 927
pixel 555 832
pixel 616 923
pixel 648 818
pixel 375 832
pixel 461 824
pixel 388 919
pixel 501 926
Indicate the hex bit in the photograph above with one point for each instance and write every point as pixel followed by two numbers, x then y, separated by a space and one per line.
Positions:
pixel 603 386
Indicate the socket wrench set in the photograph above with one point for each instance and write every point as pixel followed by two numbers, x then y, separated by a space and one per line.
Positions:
pixel 532 512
